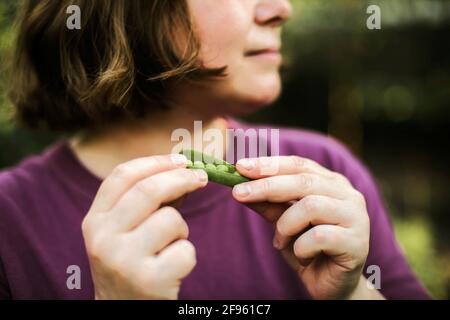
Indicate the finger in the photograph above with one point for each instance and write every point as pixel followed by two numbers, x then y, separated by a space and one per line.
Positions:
pixel 127 174
pixel 328 239
pixel 310 211
pixel 163 227
pixel 177 260
pixel 257 168
pixel 149 194
pixel 291 187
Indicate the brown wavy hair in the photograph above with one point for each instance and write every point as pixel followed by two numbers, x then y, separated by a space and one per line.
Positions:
pixel 119 65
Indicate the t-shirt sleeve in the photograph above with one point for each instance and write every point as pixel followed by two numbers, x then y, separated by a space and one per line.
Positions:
pixel 397 279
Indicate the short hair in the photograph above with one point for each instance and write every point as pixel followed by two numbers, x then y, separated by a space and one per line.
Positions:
pixel 119 65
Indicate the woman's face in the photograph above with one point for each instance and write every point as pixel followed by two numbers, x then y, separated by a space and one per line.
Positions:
pixel 244 36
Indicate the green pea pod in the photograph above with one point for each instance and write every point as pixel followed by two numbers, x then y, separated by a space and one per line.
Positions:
pixel 218 170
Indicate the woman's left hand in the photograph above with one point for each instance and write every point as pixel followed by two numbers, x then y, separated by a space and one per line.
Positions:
pixel 321 221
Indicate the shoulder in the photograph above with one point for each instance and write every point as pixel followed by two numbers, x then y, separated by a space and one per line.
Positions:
pixel 20 177
pixel 20 184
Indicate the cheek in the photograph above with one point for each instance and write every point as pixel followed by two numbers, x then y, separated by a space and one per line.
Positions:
pixel 225 28
pixel 222 26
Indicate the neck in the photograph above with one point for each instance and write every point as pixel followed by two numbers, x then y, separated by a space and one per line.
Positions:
pixel 102 151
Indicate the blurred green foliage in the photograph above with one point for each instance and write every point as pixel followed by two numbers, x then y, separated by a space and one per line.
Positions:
pixel 421 253
pixel 385 93
pixel 15 142
pixel 6 42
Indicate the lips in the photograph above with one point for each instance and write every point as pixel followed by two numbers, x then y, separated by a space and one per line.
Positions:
pixel 270 55
pixel 262 52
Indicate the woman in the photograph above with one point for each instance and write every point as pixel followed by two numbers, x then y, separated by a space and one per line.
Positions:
pixel 98 214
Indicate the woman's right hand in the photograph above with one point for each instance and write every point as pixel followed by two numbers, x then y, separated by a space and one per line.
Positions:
pixel 137 247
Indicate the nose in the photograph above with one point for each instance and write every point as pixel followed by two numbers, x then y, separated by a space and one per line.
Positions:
pixel 273 12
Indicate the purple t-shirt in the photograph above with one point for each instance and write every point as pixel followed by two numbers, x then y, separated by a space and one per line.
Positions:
pixel 43 201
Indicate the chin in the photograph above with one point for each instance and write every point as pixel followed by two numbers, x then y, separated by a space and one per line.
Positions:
pixel 264 93
pixel 249 95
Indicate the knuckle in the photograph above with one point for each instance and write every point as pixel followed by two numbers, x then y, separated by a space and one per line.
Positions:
pixel 365 244
pixel 365 251
pixel 304 181
pixel 268 189
pixel 96 246
pixel 86 225
pixel 310 204
pixel 337 176
pixel 146 188
pixel 298 162
pixel 367 222
pixel 359 196
pixel 171 213
pixel 319 235
pixel 173 219
pixel 163 225
pixel 124 171
pixel 266 186
pixel 187 254
pixel 363 228
pixel 155 161
pixel 361 220
pixel 343 179
pixel 361 248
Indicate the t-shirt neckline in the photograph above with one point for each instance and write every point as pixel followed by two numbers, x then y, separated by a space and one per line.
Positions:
pixel 71 170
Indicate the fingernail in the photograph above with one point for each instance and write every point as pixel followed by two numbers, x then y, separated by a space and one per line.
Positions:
pixel 247 164
pixel 242 190
pixel 201 175
pixel 178 159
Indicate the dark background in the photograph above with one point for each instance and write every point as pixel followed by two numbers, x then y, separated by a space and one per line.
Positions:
pixel 384 93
